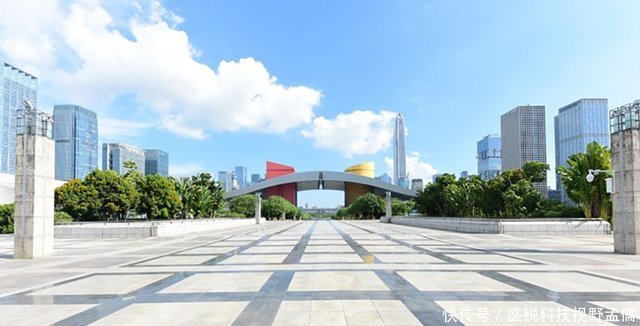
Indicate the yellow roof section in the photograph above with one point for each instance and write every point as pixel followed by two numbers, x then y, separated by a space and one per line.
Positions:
pixel 366 169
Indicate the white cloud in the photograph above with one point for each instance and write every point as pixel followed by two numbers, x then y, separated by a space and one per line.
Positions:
pixel 117 128
pixel 185 170
pixel 416 169
pixel 91 56
pixel 356 133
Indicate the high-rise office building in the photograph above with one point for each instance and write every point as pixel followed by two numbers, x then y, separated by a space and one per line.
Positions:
pixel 385 177
pixel 464 174
pixel 255 178
pixel 417 184
pixel 523 136
pixel 156 162
pixel 225 179
pixel 76 134
pixel 489 157
pixel 15 87
pixel 399 153
pixel 241 176
pixel 114 156
pixel 576 125
pixel 435 177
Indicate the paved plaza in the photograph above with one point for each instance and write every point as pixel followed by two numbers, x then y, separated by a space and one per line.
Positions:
pixel 323 273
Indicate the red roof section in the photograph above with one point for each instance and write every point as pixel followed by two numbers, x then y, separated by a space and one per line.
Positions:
pixel 275 170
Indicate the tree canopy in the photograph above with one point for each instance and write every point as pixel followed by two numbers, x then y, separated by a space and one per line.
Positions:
pixel 511 194
pixel 244 205
pixel 591 197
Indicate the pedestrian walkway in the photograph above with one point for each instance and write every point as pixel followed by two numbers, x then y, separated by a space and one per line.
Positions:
pixel 324 273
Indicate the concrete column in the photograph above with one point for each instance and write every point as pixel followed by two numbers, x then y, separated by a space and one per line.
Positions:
pixel 34 186
pixel 625 161
pixel 388 210
pixel 258 208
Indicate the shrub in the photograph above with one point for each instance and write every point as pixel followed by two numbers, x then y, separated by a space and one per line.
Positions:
pixel 61 218
pixel 6 218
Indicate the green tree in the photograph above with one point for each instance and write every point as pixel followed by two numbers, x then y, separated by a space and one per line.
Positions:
pixel 202 204
pixel 136 178
pixel 535 171
pixel 183 188
pixel 433 201
pixel 465 196
pixel 521 199
pixel 6 218
pixel 159 198
pixel 367 206
pixel 215 201
pixel 116 195
pixel 591 197
pixel 493 204
pixel 342 213
pixel 275 207
pixel 401 207
pixel 244 205
pixel 78 200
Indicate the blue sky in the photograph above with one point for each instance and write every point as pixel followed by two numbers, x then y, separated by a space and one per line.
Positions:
pixel 152 70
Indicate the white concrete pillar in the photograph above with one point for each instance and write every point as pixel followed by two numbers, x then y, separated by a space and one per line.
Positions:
pixel 625 161
pixel 388 210
pixel 34 186
pixel 258 213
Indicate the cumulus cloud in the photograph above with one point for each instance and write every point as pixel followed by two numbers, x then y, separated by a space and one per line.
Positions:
pixel 356 133
pixel 92 56
pixel 416 169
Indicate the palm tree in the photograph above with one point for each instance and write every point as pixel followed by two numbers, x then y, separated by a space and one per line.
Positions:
pixel 591 197
pixel 184 188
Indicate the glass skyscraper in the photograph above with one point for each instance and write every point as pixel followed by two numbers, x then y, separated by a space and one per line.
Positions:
pixel 114 155
pixel 226 180
pixel 15 87
pixel 576 125
pixel 489 157
pixel 399 154
pixel 75 131
pixel 241 176
pixel 385 177
pixel 156 162
pixel 255 178
pixel 523 137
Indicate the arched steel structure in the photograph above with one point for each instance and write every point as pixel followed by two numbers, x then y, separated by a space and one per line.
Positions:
pixel 331 180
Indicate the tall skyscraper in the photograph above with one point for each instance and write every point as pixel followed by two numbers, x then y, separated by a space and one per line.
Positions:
pixel 576 125
pixel 255 178
pixel 114 155
pixel 76 134
pixel 399 153
pixel 156 162
pixel 523 136
pixel 225 179
pixel 15 87
pixel 489 157
pixel 241 176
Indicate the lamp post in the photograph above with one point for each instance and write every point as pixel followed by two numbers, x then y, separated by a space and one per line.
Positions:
pixel 592 176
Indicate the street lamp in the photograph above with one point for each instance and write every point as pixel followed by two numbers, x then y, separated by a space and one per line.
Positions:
pixel 592 176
